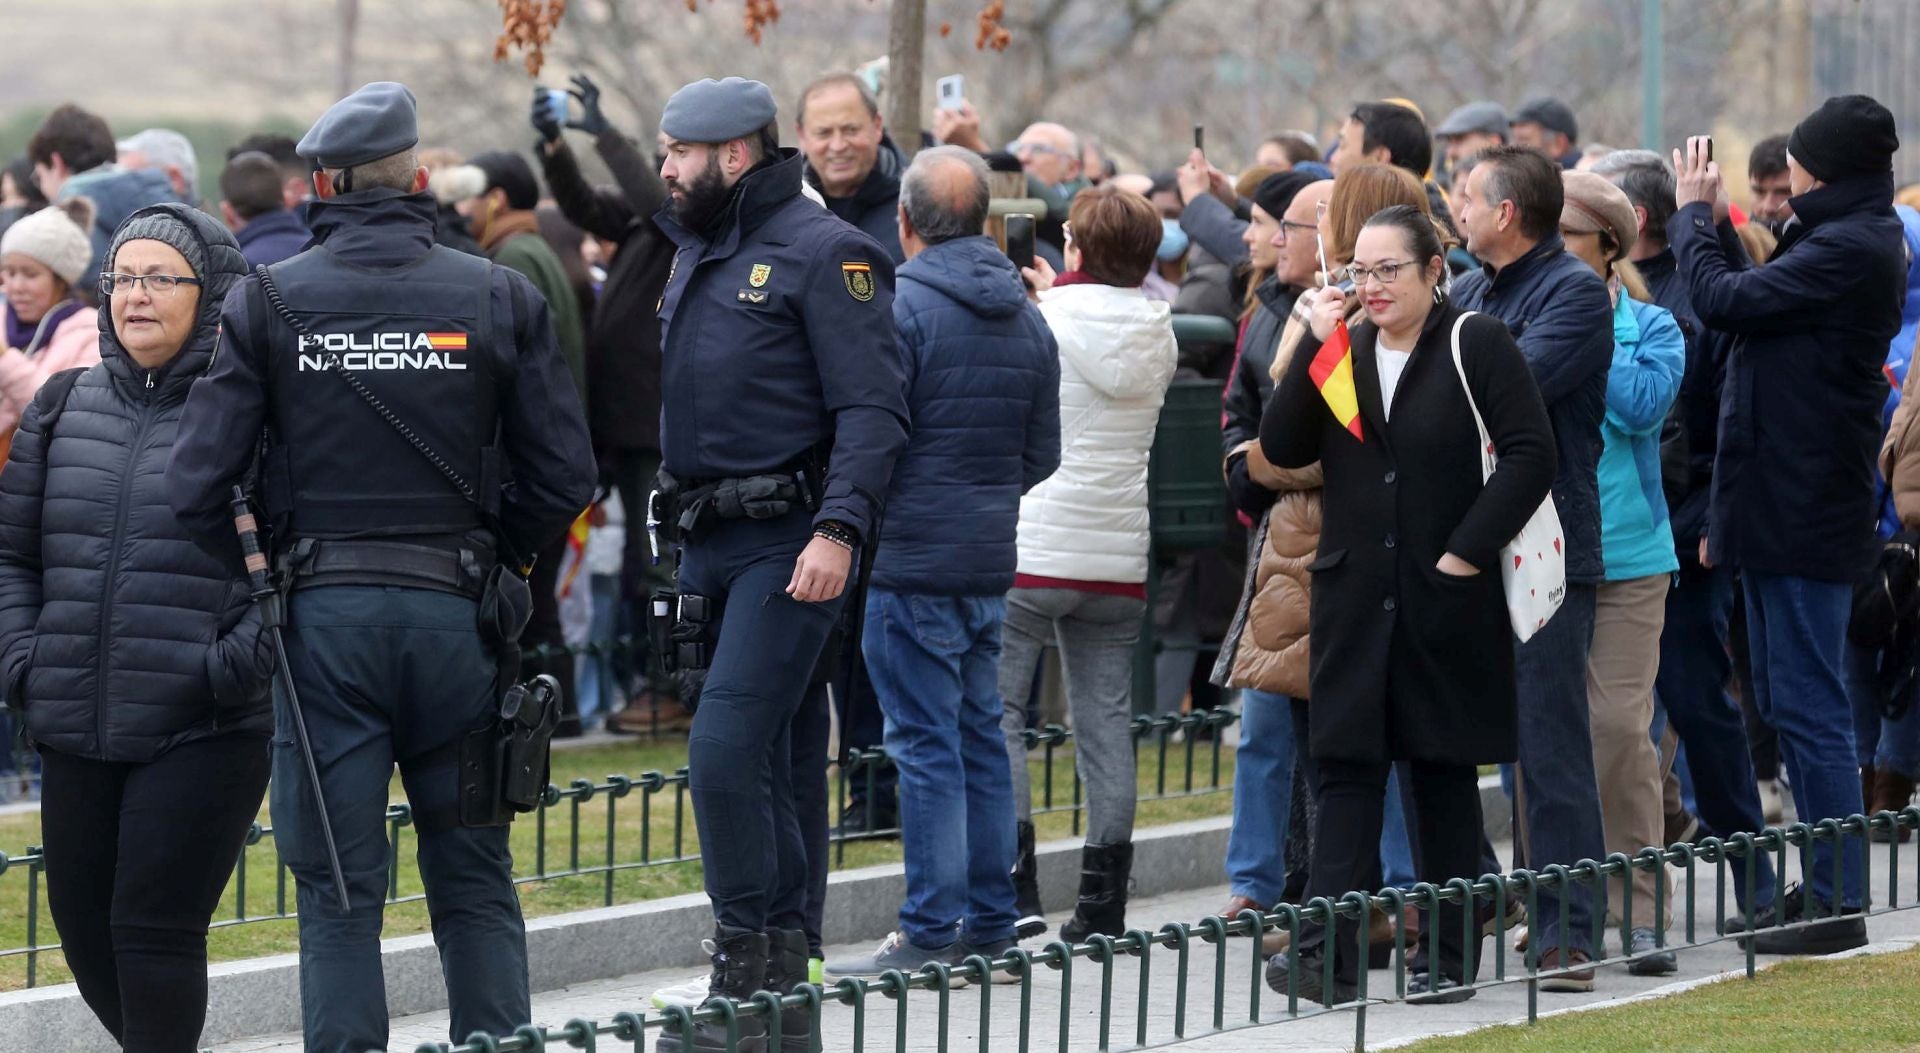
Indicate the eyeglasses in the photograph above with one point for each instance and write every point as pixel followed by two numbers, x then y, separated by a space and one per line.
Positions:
pixel 1385 272
pixel 1287 227
pixel 1018 145
pixel 157 285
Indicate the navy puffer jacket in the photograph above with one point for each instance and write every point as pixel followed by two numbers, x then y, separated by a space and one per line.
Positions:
pixel 983 373
pixel 118 635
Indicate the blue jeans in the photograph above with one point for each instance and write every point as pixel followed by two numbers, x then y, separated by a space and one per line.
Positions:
pixel 1695 668
pixel 1796 632
pixel 598 688
pixel 1889 745
pixel 1262 798
pixel 935 665
pixel 1559 798
pixel 386 676
pixel 1396 850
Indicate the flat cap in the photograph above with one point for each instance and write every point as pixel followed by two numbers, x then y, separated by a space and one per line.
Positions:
pixel 1549 113
pixel 377 121
pixel 1593 205
pixel 718 111
pixel 1488 118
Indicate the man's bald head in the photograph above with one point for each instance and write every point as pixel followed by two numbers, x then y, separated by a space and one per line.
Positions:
pixel 1049 152
pixel 943 196
pixel 1134 183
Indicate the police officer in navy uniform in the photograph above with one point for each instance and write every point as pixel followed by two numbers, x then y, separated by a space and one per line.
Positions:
pixel 781 378
pixel 386 556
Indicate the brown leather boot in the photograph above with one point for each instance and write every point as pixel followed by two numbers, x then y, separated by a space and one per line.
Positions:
pixel 1891 792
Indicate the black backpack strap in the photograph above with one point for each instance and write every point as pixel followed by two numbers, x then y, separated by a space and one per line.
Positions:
pixel 52 397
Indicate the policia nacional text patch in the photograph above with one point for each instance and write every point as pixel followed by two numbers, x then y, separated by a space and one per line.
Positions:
pixel 859 280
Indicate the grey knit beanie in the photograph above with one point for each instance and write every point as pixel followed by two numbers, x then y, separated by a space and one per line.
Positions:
pixel 165 228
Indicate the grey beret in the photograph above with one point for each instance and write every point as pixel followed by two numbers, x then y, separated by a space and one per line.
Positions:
pixel 376 121
pixel 718 111
pixel 1487 117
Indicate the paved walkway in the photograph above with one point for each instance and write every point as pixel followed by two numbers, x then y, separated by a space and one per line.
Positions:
pixel 1384 1023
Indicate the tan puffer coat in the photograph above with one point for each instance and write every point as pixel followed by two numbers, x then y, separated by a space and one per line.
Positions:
pixel 1272 651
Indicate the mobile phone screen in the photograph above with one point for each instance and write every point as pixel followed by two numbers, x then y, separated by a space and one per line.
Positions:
pixel 951 91
pixel 1020 239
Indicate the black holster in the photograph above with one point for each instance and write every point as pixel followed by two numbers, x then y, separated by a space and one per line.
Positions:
pixel 504 765
pixel 680 629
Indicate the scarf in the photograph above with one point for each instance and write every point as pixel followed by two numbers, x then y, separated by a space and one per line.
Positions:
pixel 507 224
pixel 29 337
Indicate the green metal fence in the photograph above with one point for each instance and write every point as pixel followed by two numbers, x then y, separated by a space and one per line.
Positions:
pixel 1182 754
pixel 1189 996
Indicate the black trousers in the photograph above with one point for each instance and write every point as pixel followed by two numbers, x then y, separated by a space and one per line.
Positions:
pixel 137 856
pixel 808 752
pixel 1348 798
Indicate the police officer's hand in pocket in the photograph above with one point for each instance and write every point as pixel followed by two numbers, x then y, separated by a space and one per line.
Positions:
pixel 821 572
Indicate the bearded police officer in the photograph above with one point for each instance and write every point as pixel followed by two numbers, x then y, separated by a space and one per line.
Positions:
pixel 783 409
pixel 420 436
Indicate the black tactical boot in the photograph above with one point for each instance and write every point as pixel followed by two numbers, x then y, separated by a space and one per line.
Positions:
pixel 1026 886
pixel 739 972
pixel 786 971
pixel 1103 893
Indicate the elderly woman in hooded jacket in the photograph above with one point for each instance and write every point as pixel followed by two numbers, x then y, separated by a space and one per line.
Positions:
pixel 137 657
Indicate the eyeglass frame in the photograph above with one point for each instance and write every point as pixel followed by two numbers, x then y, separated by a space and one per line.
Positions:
pixel 171 283
pixel 1287 225
pixel 1386 271
pixel 1017 145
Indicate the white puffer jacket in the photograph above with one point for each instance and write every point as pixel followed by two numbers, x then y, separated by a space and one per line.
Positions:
pixel 1088 522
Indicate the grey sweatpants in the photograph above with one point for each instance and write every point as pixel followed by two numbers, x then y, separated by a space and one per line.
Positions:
pixel 1096 635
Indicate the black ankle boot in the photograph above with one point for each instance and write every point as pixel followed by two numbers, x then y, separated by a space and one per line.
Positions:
pixel 1103 893
pixel 1026 886
pixel 786 971
pixel 739 971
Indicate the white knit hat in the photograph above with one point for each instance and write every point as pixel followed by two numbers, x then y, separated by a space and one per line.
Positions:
pixel 56 236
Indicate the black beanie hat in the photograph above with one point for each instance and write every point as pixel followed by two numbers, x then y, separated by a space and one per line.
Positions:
pixel 1278 190
pixel 1848 136
pixel 511 173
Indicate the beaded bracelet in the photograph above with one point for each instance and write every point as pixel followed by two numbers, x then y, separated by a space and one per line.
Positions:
pixel 837 532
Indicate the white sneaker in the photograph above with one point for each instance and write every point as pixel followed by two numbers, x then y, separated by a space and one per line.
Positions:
pixel 691 994
pixel 1770 801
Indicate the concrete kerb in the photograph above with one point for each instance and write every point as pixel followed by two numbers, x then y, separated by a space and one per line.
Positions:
pixel 262 995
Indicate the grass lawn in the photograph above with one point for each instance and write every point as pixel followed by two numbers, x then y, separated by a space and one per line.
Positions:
pixel 561 894
pixel 1853 1003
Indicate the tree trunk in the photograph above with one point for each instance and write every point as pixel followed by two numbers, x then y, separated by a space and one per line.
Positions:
pixel 906 48
pixel 349 30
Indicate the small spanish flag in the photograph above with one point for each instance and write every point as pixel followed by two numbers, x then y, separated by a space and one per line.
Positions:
pixel 1332 373
pixel 447 341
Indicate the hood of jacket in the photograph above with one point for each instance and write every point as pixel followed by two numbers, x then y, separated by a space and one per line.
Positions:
pixel 118 192
pixel 1118 329
pixel 971 271
pixel 225 267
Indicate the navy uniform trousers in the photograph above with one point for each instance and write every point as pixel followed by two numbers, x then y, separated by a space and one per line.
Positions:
pixel 740 750
pixel 390 676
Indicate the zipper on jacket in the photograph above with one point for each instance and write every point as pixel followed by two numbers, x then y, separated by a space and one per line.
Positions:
pixel 149 380
pixel 113 572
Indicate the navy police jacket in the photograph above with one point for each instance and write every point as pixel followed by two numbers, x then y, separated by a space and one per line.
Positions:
pixel 542 431
pixel 777 339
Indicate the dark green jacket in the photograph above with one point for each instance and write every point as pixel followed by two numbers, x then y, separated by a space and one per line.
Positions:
pixel 533 257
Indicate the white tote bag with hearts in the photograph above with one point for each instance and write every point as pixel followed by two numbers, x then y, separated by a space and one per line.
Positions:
pixel 1533 566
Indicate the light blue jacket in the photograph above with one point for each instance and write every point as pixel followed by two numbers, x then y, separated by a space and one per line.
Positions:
pixel 1649 357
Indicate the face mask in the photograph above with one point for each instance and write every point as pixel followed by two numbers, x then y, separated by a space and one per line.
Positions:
pixel 1173 241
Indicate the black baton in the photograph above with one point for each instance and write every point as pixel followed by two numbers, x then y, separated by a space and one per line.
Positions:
pixel 271 619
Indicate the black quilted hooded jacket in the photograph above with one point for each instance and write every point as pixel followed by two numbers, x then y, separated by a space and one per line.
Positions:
pixel 119 637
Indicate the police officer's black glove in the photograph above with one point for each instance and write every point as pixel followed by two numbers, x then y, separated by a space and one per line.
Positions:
pixel 591 120
pixel 1248 496
pixel 544 120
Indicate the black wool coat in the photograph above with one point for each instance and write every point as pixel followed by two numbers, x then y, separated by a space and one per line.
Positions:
pixel 1408 663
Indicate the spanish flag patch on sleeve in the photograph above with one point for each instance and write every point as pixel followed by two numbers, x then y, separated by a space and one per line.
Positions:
pixel 858 278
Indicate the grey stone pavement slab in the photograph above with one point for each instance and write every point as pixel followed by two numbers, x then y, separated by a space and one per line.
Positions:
pixel 1385 1024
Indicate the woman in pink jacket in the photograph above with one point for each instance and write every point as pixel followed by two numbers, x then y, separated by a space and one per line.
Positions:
pixel 48 327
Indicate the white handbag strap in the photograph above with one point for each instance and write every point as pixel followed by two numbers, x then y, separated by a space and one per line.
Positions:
pixel 1486 441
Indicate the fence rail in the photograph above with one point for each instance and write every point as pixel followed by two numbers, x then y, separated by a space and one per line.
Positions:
pixel 1183 752
pixel 1200 954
